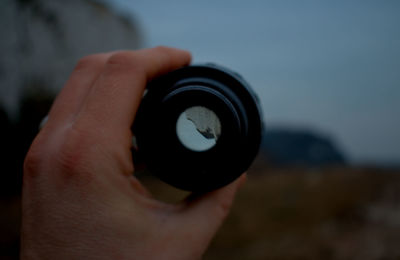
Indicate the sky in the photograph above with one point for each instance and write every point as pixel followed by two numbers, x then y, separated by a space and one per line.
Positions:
pixel 329 66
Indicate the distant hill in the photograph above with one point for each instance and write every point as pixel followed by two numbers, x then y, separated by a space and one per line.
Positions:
pixel 287 146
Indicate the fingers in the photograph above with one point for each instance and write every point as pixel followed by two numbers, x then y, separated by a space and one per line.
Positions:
pixel 72 96
pixel 203 216
pixel 102 96
pixel 115 96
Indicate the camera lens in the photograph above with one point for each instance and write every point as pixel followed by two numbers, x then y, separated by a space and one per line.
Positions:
pixel 198 128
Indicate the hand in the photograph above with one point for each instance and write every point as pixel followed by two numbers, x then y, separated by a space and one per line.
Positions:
pixel 80 199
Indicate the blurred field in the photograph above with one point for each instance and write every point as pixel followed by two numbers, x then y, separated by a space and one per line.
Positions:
pixel 331 213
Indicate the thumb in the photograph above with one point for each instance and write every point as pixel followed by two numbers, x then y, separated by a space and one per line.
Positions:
pixel 202 216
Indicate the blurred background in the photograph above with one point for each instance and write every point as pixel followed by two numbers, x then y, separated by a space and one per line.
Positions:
pixel 326 183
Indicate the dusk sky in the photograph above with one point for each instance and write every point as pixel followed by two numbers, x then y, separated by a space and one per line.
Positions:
pixel 331 66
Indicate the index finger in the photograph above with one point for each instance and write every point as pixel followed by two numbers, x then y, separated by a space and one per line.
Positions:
pixel 115 96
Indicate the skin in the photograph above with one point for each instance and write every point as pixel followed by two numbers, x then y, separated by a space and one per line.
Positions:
pixel 80 198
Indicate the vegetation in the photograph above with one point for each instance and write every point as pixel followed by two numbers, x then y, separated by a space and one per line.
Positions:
pixel 329 213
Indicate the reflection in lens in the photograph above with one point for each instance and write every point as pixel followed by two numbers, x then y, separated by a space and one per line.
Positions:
pixel 198 128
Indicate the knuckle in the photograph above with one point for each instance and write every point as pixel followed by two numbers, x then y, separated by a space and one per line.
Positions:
pixel 122 58
pixel 33 161
pixel 70 155
pixel 87 62
pixel 73 155
pixel 36 157
pixel 126 61
pixel 69 162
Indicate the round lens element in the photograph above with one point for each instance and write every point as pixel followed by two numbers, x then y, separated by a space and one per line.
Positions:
pixel 198 128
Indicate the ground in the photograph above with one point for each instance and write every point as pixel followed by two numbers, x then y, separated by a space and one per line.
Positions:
pixel 326 213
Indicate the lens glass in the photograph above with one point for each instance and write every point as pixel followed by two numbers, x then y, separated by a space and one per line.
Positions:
pixel 198 128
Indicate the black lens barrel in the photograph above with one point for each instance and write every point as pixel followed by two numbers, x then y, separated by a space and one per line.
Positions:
pixel 217 89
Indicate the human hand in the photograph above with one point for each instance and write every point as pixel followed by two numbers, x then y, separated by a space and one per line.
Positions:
pixel 80 199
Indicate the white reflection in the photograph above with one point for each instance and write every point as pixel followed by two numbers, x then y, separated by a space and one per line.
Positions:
pixel 198 128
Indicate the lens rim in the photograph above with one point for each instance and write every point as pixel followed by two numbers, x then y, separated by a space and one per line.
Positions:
pixel 217 89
